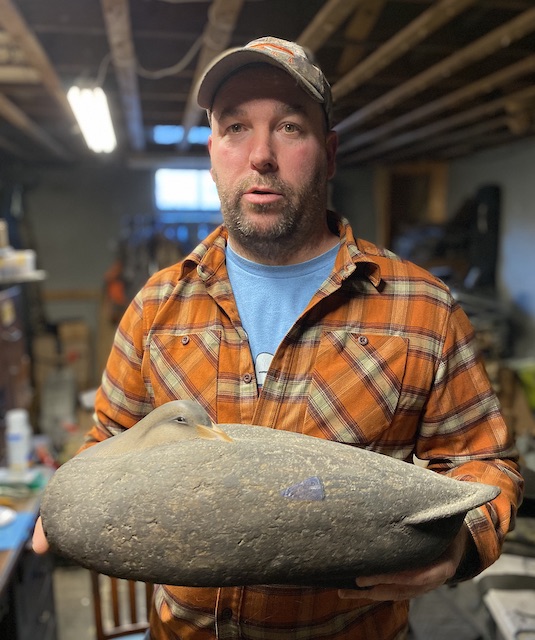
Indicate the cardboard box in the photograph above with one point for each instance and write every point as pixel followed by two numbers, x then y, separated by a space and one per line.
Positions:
pixel 73 331
pixel 69 345
pixel 45 358
pixel 75 347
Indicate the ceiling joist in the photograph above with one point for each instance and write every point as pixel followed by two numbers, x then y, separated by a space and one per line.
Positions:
pixel 356 32
pixel 374 53
pixel 419 29
pixel 441 126
pixel 484 46
pixel 13 74
pixel 15 25
pixel 119 31
pixel 472 91
pixel 18 119
pixel 326 22
pixel 222 18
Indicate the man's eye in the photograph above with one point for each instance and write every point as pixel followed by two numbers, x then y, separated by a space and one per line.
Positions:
pixel 235 128
pixel 290 127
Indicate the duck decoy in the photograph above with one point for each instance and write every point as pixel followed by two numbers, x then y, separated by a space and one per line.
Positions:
pixel 178 500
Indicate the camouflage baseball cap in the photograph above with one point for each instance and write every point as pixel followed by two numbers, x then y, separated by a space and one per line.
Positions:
pixel 286 55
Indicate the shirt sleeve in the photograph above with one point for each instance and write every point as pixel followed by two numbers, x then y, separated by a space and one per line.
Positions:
pixel 123 397
pixel 463 435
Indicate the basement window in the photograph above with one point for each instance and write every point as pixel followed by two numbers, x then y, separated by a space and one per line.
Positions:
pixel 187 205
pixel 173 134
pixel 185 190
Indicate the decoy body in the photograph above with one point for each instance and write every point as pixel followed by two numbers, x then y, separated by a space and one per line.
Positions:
pixel 177 500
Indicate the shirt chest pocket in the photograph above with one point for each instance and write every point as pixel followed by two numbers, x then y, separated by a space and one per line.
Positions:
pixel 184 365
pixel 356 385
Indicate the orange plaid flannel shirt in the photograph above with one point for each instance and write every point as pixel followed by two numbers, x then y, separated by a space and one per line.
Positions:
pixel 382 358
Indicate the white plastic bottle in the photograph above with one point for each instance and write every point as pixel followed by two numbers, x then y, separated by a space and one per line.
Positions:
pixel 18 441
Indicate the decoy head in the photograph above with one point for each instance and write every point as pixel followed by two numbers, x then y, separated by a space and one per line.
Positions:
pixel 189 415
pixel 170 422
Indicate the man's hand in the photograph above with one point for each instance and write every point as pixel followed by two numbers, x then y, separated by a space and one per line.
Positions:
pixel 413 582
pixel 39 541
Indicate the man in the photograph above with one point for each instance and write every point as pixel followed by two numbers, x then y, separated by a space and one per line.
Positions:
pixel 281 318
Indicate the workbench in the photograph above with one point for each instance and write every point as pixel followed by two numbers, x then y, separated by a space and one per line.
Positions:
pixel 27 609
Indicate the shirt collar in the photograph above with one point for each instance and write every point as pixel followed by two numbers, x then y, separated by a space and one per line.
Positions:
pixel 354 255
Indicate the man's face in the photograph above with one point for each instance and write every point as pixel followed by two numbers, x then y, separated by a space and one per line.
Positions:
pixel 271 160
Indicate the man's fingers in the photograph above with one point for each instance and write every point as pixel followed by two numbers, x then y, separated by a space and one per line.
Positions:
pixel 39 541
pixel 435 574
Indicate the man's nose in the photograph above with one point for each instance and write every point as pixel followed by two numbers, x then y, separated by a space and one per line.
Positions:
pixel 263 157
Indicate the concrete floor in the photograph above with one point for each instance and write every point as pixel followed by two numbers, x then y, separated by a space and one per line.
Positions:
pixel 451 612
pixel 74 608
pixel 74 603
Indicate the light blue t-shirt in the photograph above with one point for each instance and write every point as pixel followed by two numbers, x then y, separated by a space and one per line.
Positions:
pixel 271 298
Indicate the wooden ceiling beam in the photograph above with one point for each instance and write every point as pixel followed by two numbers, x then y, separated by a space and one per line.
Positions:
pixel 20 120
pixel 326 22
pixel 476 145
pixel 356 32
pixel 16 74
pixel 222 18
pixel 440 126
pixel 514 106
pixel 454 99
pixel 119 31
pixel 485 46
pixel 520 122
pixel 454 138
pixel 15 25
pixel 426 23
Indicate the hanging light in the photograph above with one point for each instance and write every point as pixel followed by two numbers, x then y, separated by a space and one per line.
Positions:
pixel 90 107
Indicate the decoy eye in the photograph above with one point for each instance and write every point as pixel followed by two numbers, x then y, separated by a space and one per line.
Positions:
pixel 181 420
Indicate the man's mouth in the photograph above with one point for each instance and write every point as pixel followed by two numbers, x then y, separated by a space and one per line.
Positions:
pixel 261 195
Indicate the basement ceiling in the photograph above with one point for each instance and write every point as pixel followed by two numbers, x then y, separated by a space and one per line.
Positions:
pixel 412 79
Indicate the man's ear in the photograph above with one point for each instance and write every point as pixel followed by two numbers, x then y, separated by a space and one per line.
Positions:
pixel 332 148
pixel 209 146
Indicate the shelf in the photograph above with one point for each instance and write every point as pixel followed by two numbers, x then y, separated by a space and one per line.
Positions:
pixel 33 276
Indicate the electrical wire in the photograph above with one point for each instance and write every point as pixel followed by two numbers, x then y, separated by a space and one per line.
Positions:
pixel 178 67
pixel 156 74
pixel 175 69
pixel 102 70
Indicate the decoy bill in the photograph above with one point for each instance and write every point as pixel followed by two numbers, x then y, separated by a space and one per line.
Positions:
pixel 179 501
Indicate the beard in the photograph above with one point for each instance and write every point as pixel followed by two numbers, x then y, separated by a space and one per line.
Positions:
pixel 286 225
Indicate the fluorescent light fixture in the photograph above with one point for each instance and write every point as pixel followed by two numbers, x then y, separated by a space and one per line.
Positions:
pixel 90 107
